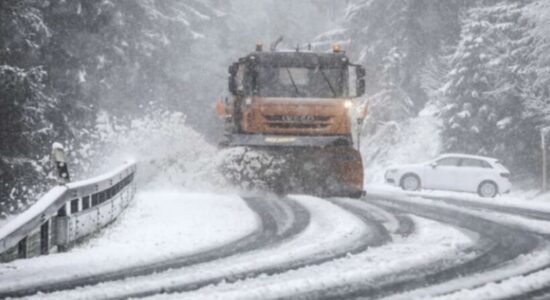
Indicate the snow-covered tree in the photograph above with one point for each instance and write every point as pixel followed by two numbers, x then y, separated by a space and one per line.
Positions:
pixel 28 117
pixel 539 63
pixel 489 86
pixel 395 39
pixel 62 62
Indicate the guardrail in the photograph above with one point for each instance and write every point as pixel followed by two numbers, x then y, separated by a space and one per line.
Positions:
pixel 67 214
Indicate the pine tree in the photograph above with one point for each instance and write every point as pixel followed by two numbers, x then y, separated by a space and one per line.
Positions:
pixel 28 118
pixel 488 86
pixel 394 40
pixel 61 62
pixel 539 62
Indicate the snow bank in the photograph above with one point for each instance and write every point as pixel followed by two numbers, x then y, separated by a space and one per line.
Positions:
pixel 331 229
pixel 431 242
pixel 158 226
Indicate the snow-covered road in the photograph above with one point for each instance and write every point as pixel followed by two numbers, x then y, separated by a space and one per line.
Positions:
pixel 160 227
pixel 390 244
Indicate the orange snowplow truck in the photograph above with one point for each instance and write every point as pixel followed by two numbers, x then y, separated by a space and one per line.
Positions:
pixel 299 102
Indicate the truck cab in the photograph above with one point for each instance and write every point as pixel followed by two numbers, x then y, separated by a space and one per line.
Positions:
pixel 296 107
pixel 303 98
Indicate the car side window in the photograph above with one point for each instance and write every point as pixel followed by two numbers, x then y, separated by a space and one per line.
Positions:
pixel 448 161
pixel 486 165
pixel 475 163
pixel 472 163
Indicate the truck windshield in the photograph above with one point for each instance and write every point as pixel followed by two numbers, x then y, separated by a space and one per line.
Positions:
pixel 300 82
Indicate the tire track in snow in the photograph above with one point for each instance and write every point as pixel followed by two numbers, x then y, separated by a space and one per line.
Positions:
pixel 382 233
pixel 330 234
pixel 279 219
pixel 358 268
pixel 497 245
pixel 378 236
pixel 539 292
pixel 524 212
pixel 392 223
pixel 505 244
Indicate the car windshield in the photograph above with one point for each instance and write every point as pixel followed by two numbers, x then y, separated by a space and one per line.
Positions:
pixel 300 82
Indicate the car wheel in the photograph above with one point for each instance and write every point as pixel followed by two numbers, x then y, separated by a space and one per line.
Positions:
pixel 410 182
pixel 487 189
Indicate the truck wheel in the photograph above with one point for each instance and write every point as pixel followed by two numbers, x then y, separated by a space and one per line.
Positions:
pixel 410 182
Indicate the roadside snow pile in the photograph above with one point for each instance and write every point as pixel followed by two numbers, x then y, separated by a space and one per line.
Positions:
pixel 411 141
pixel 160 225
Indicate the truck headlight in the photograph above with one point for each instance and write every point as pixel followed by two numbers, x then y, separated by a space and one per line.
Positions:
pixel 348 104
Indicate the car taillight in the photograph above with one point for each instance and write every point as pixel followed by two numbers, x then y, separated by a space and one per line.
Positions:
pixel 505 175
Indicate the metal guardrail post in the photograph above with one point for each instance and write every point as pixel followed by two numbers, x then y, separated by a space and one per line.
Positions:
pixel 60 162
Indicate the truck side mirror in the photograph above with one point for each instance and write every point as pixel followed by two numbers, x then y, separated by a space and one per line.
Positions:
pixel 360 87
pixel 233 69
pixel 361 72
pixel 231 85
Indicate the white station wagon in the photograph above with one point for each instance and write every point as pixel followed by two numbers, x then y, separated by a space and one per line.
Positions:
pixel 454 172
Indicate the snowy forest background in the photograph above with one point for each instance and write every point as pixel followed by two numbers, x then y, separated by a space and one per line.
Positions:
pixel 457 75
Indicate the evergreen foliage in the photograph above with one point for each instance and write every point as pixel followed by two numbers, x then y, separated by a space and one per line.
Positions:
pixel 62 62
pixel 394 39
pixel 489 86
pixel 488 58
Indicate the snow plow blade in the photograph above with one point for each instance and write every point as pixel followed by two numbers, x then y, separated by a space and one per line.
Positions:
pixel 323 170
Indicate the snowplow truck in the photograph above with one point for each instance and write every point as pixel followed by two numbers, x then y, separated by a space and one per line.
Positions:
pixel 290 113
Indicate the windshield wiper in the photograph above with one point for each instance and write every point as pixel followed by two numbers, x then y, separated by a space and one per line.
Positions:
pixel 293 83
pixel 328 82
pixel 325 75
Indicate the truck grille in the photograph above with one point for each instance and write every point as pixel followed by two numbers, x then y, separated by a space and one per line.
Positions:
pixel 298 121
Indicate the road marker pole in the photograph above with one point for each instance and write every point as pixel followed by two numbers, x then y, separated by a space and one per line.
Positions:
pixel 60 162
